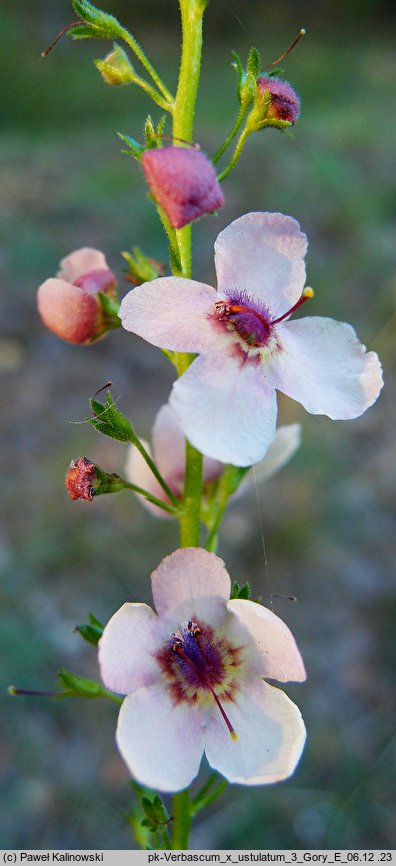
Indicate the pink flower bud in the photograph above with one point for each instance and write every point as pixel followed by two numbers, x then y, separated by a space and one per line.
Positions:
pixel 284 103
pixel 80 479
pixel 69 304
pixel 183 182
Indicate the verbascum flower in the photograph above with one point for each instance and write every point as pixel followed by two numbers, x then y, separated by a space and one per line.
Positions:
pixel 248 347
pixel 168 451
pixel 194 673
pixel 183 182
pixel 69 303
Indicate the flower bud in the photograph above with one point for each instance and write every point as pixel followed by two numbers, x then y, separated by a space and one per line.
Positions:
pixel 81 479
pixel 183 182
pixel 72 305
pixel 116 68
pixel 85 479
pixel 283 103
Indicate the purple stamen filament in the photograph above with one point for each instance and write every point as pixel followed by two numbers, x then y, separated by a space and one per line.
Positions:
pixel 234 309
pixel 177 648
pixel 307 293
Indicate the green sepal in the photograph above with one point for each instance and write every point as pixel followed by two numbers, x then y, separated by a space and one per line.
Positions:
pixel 153 136
pixel 237 64
pixel 80 686
pixel 116 68
pixel 140 268
pixel 134 148
pixel 247 87
pixel 242 591
pixel 101 25
pixel 275 72
pixel 91 631
pixel 253 63
pixel 110 421
pixel 155 812
pixel 110 310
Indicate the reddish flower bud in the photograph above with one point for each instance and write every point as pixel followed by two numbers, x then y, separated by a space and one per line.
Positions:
pixel 69 304
pixel 183 182
pixel 80 479
pixel 284 103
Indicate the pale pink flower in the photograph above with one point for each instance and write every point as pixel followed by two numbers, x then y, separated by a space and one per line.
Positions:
pixel 168 452
pixel 183 182
pixel 226 400
pixel 194 678
pixel 69 304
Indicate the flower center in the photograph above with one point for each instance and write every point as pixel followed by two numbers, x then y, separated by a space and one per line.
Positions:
pixel 251 321
pixel 199 665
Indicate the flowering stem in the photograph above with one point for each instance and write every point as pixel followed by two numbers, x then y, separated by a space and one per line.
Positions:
pixel 190 520
pixel 191 12
pixel 171 509
pixel 228 484
pixel 210 798
pixel 181 820
pixel 150 463
pixel 230 137
pixel 134 45
pixel 191 18
pixel 237 152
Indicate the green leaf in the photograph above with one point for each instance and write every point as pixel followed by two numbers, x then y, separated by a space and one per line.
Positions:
pixel 109 421
pixel 242 591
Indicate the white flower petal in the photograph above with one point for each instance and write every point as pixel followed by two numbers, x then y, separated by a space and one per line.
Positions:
pixel 227 408
pixel 169 448
pixel 162 743
pixel 138 472
pixel 323 365
pixel 185 577
pixel 279 656
pixel 284 445
pixel 263 254
pixel 80 262
pixel 172 313
pixel 127 648
pixel 271 736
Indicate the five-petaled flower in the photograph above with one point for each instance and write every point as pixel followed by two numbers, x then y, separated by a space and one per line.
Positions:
pixel 226 400
pixel 69 303
pixel 168 447
pixel 194 678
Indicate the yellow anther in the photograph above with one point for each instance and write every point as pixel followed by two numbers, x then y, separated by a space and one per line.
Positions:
pixel 233 735
pixel 308 292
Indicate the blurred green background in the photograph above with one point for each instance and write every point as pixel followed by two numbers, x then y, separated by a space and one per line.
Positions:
pixel 328 517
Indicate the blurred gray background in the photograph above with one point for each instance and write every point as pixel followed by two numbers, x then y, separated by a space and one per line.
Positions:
pixel 328 518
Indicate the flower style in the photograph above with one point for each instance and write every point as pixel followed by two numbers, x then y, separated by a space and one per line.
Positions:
pixel 226 400
pixel 194 678
pixel 183 182
pixel 69 303
pixel 168 445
